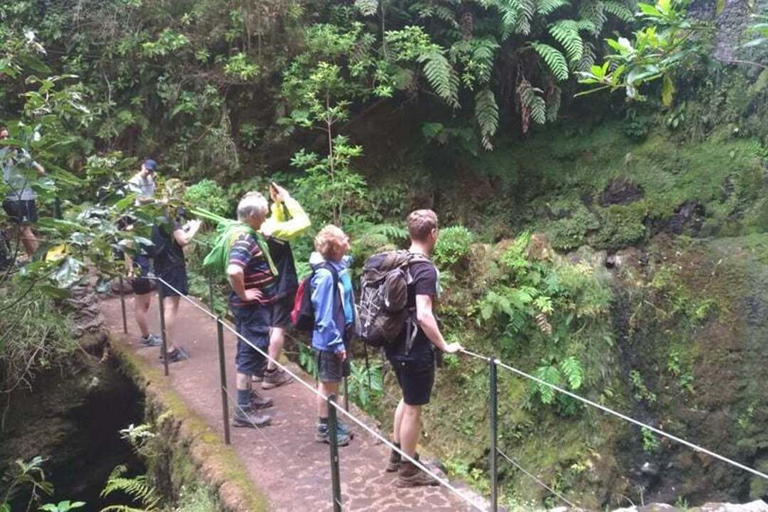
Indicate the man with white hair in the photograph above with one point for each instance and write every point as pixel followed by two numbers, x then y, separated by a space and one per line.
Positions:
pixel 252 276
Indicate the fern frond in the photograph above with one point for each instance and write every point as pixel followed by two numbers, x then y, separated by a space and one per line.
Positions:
pixel 516 15
pixel 573 371
pixel 367 7
pixel 550 375
pixel 553 104
pixel 546 7
pixel 566 32
pixel 138 488
pixel 441 76
pixel 554 59
pixel 487 115
pixel 619 10
pixel 588 58
pixel 593 11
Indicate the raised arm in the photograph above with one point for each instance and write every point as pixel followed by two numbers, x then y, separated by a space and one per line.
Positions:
pixel 286 227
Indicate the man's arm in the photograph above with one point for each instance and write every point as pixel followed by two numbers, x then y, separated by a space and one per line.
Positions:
pixel 428 323
pixel 185 235
pixel 286 228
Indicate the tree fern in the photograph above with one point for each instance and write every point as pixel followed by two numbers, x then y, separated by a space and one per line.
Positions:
pixel 619 10
pixel 551 375
pixel 516 15
pixel 554 59
pixel 138 488
pixel 441 76
pixel 566 32
pixel 487 115
pixel 546 7
pixel 573 371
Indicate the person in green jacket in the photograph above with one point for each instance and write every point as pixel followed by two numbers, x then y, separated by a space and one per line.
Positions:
pixel 287 222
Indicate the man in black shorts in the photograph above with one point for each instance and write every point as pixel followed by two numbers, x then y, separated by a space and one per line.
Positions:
pixel 169 240
pixel 19 202
pixel 287 222
pixel 414 365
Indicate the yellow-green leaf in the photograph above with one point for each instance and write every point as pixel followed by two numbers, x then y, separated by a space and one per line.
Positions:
pixel 667 91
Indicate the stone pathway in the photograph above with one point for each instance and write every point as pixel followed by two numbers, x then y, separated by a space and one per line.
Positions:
pixel 283 460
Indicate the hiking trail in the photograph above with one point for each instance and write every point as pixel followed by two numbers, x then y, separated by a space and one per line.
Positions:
pixel 283 460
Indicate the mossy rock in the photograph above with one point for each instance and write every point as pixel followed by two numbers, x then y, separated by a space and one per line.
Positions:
pixel 621 226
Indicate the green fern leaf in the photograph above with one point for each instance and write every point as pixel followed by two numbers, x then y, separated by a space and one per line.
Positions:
pixel 530 99
pixel 587 58
pixel 619 10
pixel 573 371
pixel 554 59
pixel 546 7
pixel 441 76
pixel 566 32
pixel 487 115
pixel 594 12
pixel 367 7
pixel 550 375
pixel 553 101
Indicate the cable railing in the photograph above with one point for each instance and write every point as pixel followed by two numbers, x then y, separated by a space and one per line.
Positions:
pixel 335 408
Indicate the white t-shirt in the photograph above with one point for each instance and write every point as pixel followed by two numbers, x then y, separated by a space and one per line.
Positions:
pixel 145 187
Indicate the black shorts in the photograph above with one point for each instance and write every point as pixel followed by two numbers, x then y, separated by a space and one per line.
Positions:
pixel 21 212
pixel 176 277
pixel 140 284
pixel 330 368
pixel 253 324
pixel 281 311
pixel 416 379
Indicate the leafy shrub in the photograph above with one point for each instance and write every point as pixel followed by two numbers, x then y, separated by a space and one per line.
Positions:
pixel 570 232
pixel 453 245
pixel 209 195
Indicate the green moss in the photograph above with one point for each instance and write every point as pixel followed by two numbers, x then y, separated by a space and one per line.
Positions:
pixel 571 231
pixel 621 226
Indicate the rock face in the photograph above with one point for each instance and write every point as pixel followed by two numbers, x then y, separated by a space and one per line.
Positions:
pixel 755 506
pixel 621 191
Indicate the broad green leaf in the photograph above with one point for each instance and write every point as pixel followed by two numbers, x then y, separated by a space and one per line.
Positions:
pixel 667 91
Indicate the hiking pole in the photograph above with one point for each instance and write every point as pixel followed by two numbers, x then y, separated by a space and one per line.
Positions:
pixel 223 373
pixel 122 306
pixel 161 301
pixel 494 406
pixel 334 442
pixel 346 393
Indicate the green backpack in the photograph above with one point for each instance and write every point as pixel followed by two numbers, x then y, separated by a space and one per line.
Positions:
pixel 217 260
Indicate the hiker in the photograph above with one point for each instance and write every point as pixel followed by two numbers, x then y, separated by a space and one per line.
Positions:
pixel 414 366
pixel 252 275
pixel 287 222
pixel 19 201
pixel 333 323
pixel 142 184
pixel 169 239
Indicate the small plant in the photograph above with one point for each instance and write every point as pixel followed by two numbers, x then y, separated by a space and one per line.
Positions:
pixel 453 246
pixel 650 440
pixel 641 392
pixel 249 136
pixel 25 475
pixel 365 384
pixel 62 506
pixel 307 359
pixel 138 488
pixel 207 194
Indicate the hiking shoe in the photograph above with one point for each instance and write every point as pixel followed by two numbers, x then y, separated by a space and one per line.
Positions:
pixel 260 402
pixel 393 464
pixel 151 340
pixel 250 420
pixel 411 476
pixel 176 355
pixel 343 427
pixel 275 379
pixel 322 435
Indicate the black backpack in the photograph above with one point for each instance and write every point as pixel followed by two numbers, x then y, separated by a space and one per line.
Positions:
pixel 303 313
pixel 383 309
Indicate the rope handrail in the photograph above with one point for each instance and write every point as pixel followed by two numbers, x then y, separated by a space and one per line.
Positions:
pixel 378 436
pixel 624 417
pixel 537 480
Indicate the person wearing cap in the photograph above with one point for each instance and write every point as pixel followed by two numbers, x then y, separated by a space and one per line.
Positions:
pixel 19 202
pixel 143 182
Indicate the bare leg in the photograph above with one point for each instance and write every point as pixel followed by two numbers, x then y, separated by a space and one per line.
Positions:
pixel 398 422
pixel 276 341
pixel 243 382
pixel 171 312
pixel 326 389
pixel 140 308
pixel 29 240
pixel 410 428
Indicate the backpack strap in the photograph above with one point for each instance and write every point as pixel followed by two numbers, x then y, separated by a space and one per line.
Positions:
pixel 412 325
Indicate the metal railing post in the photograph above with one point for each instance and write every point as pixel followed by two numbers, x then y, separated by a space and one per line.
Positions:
pixel 334 442
pixel 161 301
pixel 494 406
pixel 346 394
pixel 122 305
pixel 223 373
